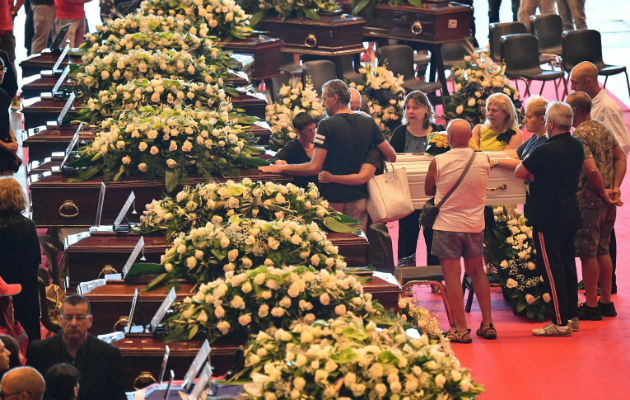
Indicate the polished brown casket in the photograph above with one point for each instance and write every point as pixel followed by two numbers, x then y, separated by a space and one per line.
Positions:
pixel 113 300
pixel 266 52
pixel 55 202
pixel 330 35
pixel 36 63
pixel 86 255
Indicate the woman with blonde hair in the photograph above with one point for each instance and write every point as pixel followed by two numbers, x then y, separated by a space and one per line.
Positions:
pixel 20 252
pixel 500 130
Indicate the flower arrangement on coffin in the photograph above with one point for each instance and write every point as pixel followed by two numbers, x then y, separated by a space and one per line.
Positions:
pixel 167 143
pixel 294 100
pixel 385 96
pixel 209 252
pixel 254 300
pixel 194 207
pixel 368 5
pixel 224 18
pixel 474 83
pixel 419 317
pixel 119 68
pixel 352 358
pixel 437 143
pixel 284 9
pixel 509 248
pixel 140 92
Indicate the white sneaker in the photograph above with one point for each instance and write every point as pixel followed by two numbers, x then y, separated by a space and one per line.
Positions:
pixel 574 323
pixel 552 329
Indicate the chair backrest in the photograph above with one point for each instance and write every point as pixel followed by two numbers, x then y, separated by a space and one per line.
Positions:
pixel 520 51
pixel 548 30
pixel 399 59
pixel 499 29
pixel 320 72
pixel 581 45
pixel 453 53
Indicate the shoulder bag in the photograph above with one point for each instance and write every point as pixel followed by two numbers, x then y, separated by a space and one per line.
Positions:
pixel 389 197
pixel 430 210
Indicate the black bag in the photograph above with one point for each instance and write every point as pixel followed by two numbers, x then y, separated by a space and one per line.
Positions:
pixel 430 210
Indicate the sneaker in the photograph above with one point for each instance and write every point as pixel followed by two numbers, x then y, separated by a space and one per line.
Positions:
pixel 607 309
pixel 574 323
pixel 552 329
pixel 587 313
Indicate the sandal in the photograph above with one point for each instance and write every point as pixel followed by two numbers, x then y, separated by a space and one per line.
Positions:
pixel 487 331
pixel 459 335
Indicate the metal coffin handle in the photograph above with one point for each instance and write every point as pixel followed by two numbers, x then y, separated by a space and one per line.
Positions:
pixel 500 187
pixel 310 41
pixel 416 28
pixel 68 209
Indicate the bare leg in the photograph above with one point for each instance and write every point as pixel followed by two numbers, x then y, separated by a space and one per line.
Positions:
pixel 452 274
pixel 474 269
pixel 590 275
pixel 605 277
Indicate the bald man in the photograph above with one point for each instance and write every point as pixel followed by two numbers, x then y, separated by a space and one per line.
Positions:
pixel 603 108
pixel 355 99
pixel 24 381
pixel 458 228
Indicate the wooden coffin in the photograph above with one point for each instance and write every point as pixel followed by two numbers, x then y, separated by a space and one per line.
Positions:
pixel 113 300
pixel 39 110
pixel 264 49
pixel 55 202
pixel 503 187
pixel 143 353
pixel 42 141
pixel 432 23
pixel 87 255
pixel 36 63
pixel 330 35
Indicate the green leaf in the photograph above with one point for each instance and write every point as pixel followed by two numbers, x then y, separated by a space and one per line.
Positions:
pixel 311 14
pixel 520 306
pixel 256 18
pixel 119 173
pixel 193 332
pixel 87 174
pixel 347 219
pixel 344 356
pixel 415 3
pixel 145 269
pixel 337 226
pixel 360 6
pixel 353 333
pixel 387 357
pixel 156 282
pixel 170 180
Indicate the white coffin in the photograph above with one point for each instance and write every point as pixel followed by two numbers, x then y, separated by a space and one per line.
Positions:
pixel 503 188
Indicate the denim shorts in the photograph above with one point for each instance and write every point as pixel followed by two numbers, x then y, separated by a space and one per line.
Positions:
pixel 593 238
pixel 453 245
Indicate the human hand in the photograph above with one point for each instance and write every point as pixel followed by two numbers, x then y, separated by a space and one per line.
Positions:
pixel 280 162
pixel 268 169
pixel 608 196
pixel 324 177
pixel 10 147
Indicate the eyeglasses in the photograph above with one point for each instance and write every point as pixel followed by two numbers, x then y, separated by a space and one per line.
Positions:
pixel 79 318
pixel 4 69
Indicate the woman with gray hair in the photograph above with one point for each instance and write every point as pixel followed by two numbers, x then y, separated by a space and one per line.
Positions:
pixel 411 137
pixel 20 252
pixel 500 130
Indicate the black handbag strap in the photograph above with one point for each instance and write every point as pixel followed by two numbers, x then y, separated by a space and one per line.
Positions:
pixel 459 180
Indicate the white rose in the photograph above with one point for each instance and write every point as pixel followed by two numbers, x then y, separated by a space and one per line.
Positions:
pixel 245 319
pixel 324 299
pixel 224 327
pixel 530 299
pixel 126 160
pixel 171 163
pixel 191 262
pixel 142 167
pixel 511 283
pixel 203 317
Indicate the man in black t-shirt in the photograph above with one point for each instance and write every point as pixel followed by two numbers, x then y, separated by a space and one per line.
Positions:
pixel 554 169
pixel 342 143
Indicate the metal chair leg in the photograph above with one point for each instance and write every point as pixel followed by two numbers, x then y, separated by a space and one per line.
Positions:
pixel 627 82
pixel 467 284
pixel 605 80
pixel 542 87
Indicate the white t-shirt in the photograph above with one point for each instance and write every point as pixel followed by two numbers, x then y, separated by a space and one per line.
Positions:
pixel 604 109
pixel 463 211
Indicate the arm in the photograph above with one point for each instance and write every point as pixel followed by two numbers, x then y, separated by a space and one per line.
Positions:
pixel 595 179
pixel 16 7
pixel 12 146
pixel 505 163
pixel 367 171
pixel 387 150
pixel 310 168
pixel 515 141
pixel 522 173
pixel 619 171
pixel 476 134
pixel 429 180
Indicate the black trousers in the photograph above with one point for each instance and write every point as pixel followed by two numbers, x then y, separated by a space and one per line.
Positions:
pixel 555 259
pixel 493 10
pixel 612 248
pixel 408 231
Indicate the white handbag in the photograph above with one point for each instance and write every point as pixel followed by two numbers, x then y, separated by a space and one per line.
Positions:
pixel 389 197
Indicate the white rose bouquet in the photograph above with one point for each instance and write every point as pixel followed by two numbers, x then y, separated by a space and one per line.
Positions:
pixel 509 249
pixel 385 96
pixel 209 252
pixel 194 207
pixel 168 143
pixel 293 100
pixel 352 358
pixel 474 83
pixel 284 9
pixel 419 317
pixel 254 300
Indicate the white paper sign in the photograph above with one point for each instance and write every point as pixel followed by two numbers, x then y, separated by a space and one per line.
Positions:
pixel 134 301
pixel 123 210
pixel 132 257
pixel 195 366
pixel 65 109
pixel 87 287
pixel 202 382
pixel 159 314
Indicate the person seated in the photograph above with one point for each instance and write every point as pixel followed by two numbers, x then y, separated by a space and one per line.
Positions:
pixel 9 327
pixel 99 363
pixel 500 131
pixel 24 382
pixel 62 382
pixel 301 150
pixel 11 345
pixel 412 137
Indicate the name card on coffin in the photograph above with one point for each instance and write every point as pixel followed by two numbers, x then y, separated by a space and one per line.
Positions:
pixel 35 85
pixel 38 111
pixel 45 60
pixel 503 187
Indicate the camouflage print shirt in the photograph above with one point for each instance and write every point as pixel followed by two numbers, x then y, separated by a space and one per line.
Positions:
pixel 599 143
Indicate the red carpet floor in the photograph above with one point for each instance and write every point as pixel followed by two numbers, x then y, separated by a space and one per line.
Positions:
pixel 594 363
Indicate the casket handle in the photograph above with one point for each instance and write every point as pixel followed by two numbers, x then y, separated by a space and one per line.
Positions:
pixel 494 189
pixel 121 323
pixel 68 209
pixel 107 269
pixel 144 379
pixel 310 41
pixel 416 28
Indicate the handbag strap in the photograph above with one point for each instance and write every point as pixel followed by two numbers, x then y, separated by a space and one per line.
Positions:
pixel 459 180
